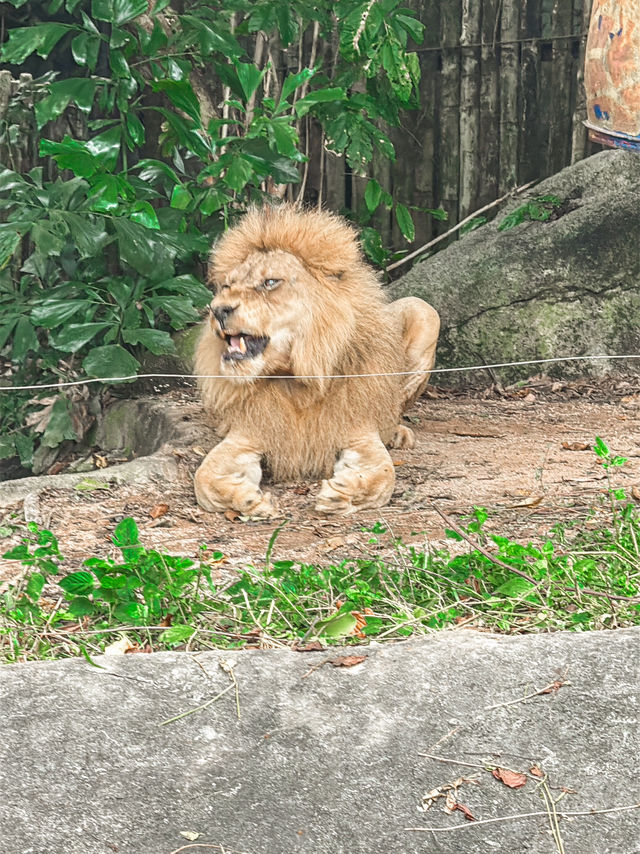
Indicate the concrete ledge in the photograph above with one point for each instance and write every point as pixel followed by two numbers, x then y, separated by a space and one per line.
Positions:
pixel 325 760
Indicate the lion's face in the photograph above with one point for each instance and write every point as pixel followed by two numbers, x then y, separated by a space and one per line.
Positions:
pixel 260 310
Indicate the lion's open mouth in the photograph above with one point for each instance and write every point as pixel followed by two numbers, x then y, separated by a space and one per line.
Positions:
pixel 243 346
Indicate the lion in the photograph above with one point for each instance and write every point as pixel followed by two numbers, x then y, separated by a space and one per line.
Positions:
pixel 305 366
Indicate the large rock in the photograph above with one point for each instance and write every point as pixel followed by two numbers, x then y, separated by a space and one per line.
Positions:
pixel 569 286
pixel 318 759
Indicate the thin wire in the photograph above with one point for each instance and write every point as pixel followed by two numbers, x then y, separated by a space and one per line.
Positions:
pixel 462 369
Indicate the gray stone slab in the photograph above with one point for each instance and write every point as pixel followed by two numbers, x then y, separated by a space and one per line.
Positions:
pixel 325 760
pixel 157 466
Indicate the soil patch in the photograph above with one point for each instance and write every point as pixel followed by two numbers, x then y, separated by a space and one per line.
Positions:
pixel 524 454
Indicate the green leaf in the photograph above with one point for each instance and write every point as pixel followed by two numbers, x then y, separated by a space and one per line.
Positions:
pixel 414 27
pixel 340 626
pixel 372 195
pixel 118 12
pixel 41 38
pixel 185 133
pixel 140 248
pixel 48 241
pixel 79 90
pixel 35 585
pixel 53 312
pixel 292 81
pixel 176 634
pixel 285 138
pixel 59 427
pixel 110 360
pixel 85 49
pixel 319 96
pixel 78 583
pixel 249 76
pixel 74 336
pixel 213 40
pixel 181 95
pixel 515 587
pixel 87 233
pixel 17 553
pixel 286 23
pixel 104 193
pixel 405 222
pixel 9 242
pixel 130 612
pixel 213 200
pixel 181 198
pixel 106 147
pixel 135 129
pixel 156 341
pixel 24 447
pixel 239 173
pixel 372 245
pixel 126 533
pixel 144 214
pixel 153 170
pixel 81 606
pixel 24 340
pixel 7 447
pixel 90 484
pixel 71 154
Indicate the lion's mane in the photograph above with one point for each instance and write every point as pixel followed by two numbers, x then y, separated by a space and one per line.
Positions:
pixel 299 424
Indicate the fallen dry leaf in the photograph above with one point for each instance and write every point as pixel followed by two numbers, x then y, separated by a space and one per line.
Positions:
pixel 399 462
pixel 119 647
pixel 191 835
pixel 553 688
pixel 512 779
pixel 533 501
pixel 314 646
pixel 347 660
pixel 100 461
pixel 576 446
pixel 231 515
pixel 158 510
pixel 56 468
pixel 536 771
pixel 137 648
pixel 198 451
pixel 450 803
pixel 466 811
pixel 429 799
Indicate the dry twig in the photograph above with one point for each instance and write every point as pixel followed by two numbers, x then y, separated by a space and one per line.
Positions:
pixel 458 226
pixel 477 823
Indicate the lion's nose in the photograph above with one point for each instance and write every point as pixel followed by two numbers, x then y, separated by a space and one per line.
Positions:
pixel 222 312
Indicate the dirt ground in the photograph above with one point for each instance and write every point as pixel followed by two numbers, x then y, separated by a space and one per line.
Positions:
pixel 524 454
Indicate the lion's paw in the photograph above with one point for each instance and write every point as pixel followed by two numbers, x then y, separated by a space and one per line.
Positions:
pixel 264 509
pixel 403 437
pixel 333 501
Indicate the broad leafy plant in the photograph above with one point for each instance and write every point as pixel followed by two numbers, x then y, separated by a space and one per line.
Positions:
pixel 179 120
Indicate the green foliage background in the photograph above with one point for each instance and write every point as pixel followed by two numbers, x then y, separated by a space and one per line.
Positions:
pixel 182 117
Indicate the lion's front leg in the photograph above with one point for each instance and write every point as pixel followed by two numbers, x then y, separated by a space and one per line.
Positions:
pixel 229 478
pixel 363 478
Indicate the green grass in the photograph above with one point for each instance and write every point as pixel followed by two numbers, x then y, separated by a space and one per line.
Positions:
pixel 165 602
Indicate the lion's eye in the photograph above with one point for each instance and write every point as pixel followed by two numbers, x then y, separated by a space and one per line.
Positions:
pixel 270 284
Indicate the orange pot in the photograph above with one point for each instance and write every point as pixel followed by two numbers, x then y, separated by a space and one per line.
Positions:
pixel 612 73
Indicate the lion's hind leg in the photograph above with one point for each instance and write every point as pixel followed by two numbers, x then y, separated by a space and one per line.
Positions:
pixel 363 478
pixel 420 325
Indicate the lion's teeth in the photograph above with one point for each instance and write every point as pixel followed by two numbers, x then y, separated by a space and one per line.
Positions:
pixel 242 345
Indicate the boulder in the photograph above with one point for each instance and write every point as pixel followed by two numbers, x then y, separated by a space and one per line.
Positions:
pixel 565 287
